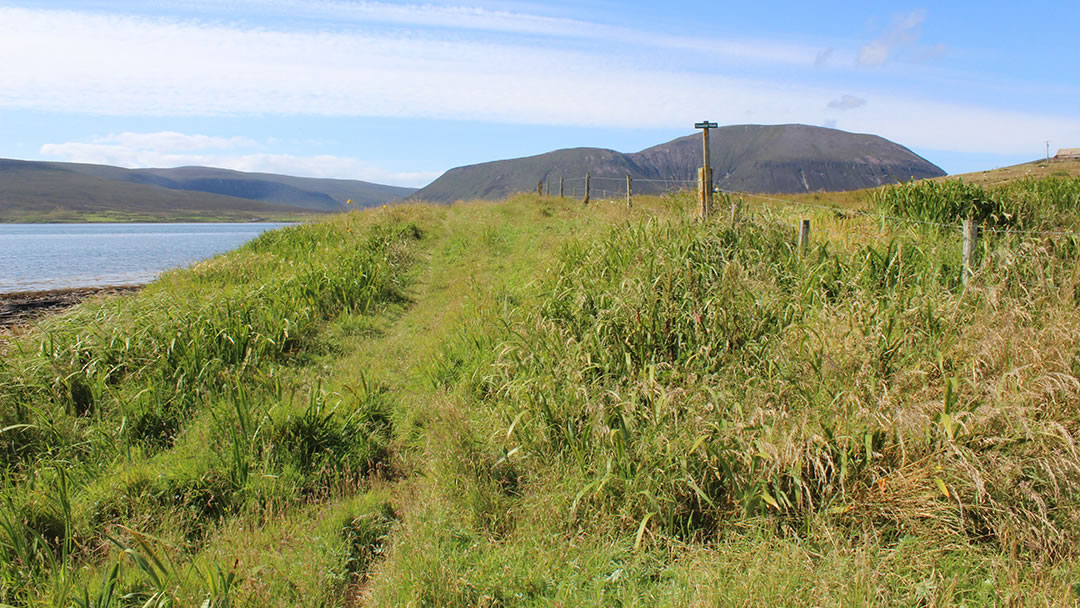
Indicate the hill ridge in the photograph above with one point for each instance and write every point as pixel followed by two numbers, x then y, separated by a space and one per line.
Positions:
pixel 316 193
pixel 788 158
pixel 60 191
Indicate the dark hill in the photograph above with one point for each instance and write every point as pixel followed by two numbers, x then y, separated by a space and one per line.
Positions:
pixel 41 191
pixel 306 192
pixel 749 158
pixel 497 179
pixel 49 191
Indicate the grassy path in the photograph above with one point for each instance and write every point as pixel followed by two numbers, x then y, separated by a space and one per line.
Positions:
pixel 458 271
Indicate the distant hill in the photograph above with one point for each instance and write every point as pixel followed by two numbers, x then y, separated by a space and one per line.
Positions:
pixel 306 192
pixel 748 158
pixel 48 191
pixel 38 191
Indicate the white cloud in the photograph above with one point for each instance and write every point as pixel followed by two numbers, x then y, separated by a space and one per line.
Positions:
pixel 324 166
pixel 874 54
pixel 171 140
pixel 170 149
pixel 959 128
pixel 479 19
pixel 64 61
pixel 121 65
pixel 904 30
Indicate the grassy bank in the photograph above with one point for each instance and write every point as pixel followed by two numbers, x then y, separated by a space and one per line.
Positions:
pixel 538 403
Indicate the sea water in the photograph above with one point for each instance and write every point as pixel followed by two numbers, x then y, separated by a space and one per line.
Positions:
pixel 36 257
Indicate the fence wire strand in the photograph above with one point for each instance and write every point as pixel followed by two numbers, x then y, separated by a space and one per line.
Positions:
pixel 858 212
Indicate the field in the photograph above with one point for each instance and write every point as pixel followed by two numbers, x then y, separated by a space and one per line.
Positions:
pixel 1037 169
pixel 536 403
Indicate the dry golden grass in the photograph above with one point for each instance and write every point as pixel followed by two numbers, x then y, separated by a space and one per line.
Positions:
pixel 1036 169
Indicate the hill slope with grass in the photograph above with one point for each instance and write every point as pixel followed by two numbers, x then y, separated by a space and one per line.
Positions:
pixel 50 192
pixel 316 194
pixel 1056 167
pixel 745 158
pixel 36 191
pixel 538 403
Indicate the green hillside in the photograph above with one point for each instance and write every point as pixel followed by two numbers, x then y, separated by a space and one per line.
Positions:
pixel 45 192
pixel 537 403
pixel 34 191
pixel 316 194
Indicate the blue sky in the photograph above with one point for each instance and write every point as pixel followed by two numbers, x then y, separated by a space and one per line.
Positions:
pixel 397 92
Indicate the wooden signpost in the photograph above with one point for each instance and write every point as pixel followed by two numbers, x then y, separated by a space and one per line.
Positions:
pixel 705 175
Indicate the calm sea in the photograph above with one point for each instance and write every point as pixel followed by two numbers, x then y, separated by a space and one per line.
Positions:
pixel 54 256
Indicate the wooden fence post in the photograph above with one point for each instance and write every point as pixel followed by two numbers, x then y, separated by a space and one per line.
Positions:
pixel 971 237
pixel 704 192
pixel 628 201
pixel 804 235
pixel 560 186
pixel 540 188
pixel 586 201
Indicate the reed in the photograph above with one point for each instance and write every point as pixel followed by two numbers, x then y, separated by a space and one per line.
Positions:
pixel 1029 203
pixel 124 378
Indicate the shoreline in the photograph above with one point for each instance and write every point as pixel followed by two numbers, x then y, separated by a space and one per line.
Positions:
pixel 25 307
pixel 5 221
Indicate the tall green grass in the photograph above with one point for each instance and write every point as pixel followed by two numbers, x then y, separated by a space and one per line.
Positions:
pixel 675 384
pixel 569 406
pixel 195 332
pixel 1028 203
pixel 190 369
pixel 650 355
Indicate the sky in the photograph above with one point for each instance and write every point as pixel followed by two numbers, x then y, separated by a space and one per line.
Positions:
pixel 399 92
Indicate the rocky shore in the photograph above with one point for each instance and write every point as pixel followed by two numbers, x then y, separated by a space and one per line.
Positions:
pixel 23 307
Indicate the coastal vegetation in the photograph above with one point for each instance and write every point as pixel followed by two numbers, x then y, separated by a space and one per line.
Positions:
pixel 1026 203
pixel 539 403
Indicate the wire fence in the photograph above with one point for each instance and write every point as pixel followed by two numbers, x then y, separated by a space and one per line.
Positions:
pixel 674 183
pixel 881 216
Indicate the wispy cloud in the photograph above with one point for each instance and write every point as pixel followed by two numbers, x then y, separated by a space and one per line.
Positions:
pixel 931 53
pixel 171 149
pixel 171 140
pixel 823 56
pixel 121 65
pixel 461 18
pixel 903 31
pixel 846 102
pixel 124 65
